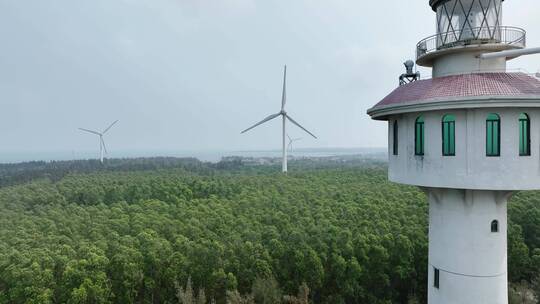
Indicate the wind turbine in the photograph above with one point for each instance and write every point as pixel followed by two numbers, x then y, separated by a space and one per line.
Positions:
pixel 291 140
pixel 284 117
pixel 102 146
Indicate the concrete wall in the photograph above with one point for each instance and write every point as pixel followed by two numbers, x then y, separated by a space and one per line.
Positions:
pixel 470 168
pixel 466 62
pixel 472 260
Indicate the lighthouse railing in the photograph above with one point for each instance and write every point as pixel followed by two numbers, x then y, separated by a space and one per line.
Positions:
pixel 509 35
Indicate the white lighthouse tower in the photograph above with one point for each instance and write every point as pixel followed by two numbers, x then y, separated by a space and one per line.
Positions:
pixel 469 137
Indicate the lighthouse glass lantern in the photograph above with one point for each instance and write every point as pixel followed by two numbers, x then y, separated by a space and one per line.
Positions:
pixel 466 137
pixel 466 21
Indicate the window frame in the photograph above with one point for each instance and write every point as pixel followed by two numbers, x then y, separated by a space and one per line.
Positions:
pixel 451 135
pixel 436 278
pixel 494 226
pixel 490 122
pixel 524 139
pixel 419 143
pixel 395 139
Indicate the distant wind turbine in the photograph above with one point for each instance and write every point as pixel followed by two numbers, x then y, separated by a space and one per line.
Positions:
pixel 284 116
pixel 291 141
pixel 102 146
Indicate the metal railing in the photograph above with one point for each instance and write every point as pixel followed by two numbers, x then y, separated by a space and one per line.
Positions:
pixel 502 34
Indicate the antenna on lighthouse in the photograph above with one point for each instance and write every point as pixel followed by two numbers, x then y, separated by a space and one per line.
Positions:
pixel 409 75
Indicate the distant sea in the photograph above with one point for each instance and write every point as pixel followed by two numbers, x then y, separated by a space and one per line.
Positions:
pixel 207 156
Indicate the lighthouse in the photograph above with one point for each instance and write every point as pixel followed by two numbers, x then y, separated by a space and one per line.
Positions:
pixel 469 137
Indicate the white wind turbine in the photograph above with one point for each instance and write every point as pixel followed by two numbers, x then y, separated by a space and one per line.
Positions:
pixel 291 141
pixel 285 117
pixel 102 146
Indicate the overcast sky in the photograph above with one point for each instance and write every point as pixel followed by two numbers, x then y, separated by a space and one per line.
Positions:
pixel 191 74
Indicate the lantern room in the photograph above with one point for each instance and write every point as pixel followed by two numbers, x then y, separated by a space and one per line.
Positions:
pixel 468 27
pixel 465 20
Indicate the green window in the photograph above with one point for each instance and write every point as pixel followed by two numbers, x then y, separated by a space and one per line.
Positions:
pixel 493 135
pixel 449 135
pixel 395 138
pixel 524 135
pixel 419 136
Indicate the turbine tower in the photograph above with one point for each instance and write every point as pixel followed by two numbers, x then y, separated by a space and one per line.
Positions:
pixel 291 141
pixel 102 146
pixel 469 138
pixel 284 117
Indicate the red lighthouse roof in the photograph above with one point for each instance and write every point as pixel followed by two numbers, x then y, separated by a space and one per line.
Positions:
pixel 463 86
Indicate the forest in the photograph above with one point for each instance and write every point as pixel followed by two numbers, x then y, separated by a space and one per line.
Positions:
pixel 167 230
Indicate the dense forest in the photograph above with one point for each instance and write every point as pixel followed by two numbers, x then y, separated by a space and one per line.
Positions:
pixel 170 230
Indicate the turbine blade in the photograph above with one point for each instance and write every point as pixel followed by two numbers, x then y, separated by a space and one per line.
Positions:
pixel 298 125
pixel 289 137
pixel 284 94
pixel 109 127
pixel 104 147
pixel 89 131
pixel 262 121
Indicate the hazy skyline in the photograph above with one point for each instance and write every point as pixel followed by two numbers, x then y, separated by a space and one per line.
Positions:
pixel 191 74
